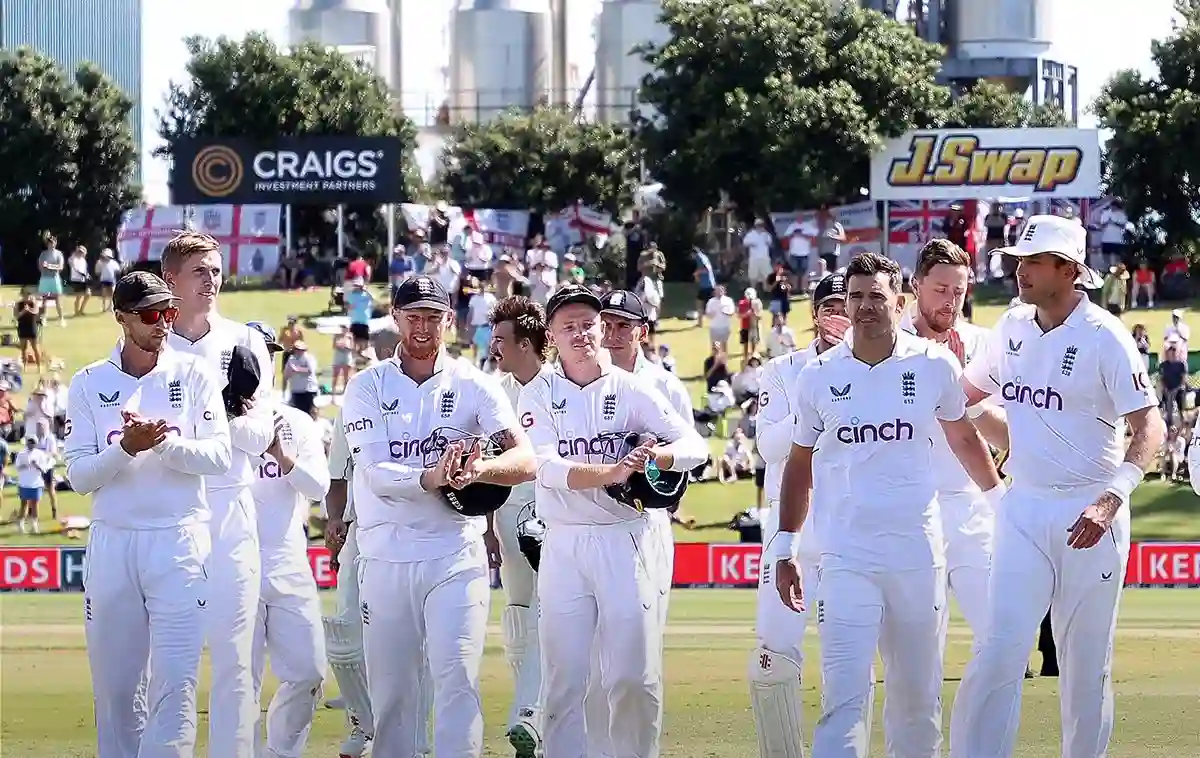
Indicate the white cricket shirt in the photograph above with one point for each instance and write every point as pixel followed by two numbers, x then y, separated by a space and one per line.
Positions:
pixel 393 426
pixel 282 500
pixel 159 488
pixel 953 480
pixel 571 424
pixel 32 466
pixel 522 493
pixel 670 386
pixel 1065 393
pixel 341 465
pixel 250 433
pixel 876 425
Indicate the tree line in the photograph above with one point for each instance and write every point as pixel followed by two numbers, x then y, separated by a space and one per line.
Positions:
pixel 766 104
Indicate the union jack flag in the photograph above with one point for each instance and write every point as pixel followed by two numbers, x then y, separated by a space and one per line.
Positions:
pixel 915 222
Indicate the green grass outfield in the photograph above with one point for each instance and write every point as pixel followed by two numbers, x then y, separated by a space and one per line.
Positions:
pixel 1161 511
pixel 46 700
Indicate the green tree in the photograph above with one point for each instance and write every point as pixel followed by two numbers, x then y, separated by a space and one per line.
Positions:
pixel 780 103
pixel 253 89
pixel 989 105
pixel 1152 160
pixel 69 158
pixel 543 161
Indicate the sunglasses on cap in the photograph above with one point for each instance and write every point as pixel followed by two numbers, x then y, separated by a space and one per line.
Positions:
pixel 150 317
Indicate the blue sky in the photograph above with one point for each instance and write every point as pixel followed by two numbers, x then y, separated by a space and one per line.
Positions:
pixel 1098 36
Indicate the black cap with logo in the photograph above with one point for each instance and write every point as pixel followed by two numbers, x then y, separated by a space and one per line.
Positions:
pixel 832 287
pixel 572 294
pixel 421 292
pixel 242 379
pixel 139 290
pixel 625 304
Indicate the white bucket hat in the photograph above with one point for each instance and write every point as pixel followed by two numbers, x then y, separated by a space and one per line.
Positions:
pixel 1058 236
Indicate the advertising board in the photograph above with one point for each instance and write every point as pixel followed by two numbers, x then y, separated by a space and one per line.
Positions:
pixel 697 564
pixel 959 164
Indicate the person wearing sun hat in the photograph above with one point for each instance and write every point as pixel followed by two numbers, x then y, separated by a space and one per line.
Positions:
pixel 1072 379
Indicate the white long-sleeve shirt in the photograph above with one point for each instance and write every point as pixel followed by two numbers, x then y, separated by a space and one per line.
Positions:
pixel 159 488
pixel 522 493
pixel 341 466
pixel 282 500
pixel 569 424
pixel 396 429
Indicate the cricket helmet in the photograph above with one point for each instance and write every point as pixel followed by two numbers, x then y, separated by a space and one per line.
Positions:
pixel 477 498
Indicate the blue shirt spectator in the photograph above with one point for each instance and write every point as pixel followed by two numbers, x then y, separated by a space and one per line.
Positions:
pixel 359 305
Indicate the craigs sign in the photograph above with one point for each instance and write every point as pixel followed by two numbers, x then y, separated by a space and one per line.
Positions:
pixel 988 163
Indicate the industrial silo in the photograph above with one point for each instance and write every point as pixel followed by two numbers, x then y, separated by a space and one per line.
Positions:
pixel 1013 29
pixel 349 24
pixel 499 57
pixel 624 24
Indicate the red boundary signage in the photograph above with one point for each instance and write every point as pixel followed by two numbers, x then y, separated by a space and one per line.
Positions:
pixel 697 564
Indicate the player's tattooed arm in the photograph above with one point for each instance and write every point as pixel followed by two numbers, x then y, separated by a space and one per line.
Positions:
pixel 1148 433
pixel 514 465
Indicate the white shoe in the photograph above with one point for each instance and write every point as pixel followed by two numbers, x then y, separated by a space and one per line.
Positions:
pixel 525 740
pixel 357 745
pixel 335 704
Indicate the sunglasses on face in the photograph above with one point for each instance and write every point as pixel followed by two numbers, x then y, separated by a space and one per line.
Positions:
pixel 152 317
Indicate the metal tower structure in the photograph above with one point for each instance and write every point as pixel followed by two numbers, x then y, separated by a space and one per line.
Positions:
pixel 1006 41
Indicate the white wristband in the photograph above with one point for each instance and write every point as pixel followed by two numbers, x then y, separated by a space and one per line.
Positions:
pixel 995 495
pixel 785 545
pixel 1125 481
pixel 975 411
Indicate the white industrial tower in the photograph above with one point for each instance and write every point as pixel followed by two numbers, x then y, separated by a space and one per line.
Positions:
pixel 368 30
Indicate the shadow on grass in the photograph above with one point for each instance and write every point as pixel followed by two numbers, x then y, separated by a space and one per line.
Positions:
pixel 1165 511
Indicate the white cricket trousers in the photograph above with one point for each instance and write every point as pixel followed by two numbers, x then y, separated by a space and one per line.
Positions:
pixel 289 630
pixel 521 641
pixel 145 595
pixel 969 526
pixel 438 606
pixel 779 628
pixel 234 572
pixel 1033 569
pixel 595 703
pixel 903 615
pixel 347 578
pixel 600 587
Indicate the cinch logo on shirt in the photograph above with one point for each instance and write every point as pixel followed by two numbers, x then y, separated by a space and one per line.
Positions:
pixel 115 434
pixel 889 431
pixel 402 449
pixel 269 470
pixel 1045 398
pixel 361 425
pixel 605 445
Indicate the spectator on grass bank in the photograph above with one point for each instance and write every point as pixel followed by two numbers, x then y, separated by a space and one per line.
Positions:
pixel 651 259
pixel 479 257
pixel 747 382
pixel 1177 332
pixel 8 414
pixel 57 393
pixel 994 225
pixel 801 237
pixel 706 282
pixel 445 269
pixel 738 459
pixel 1141 338
pixel 781 340
pixel 829 244
pixel 574 271
pixel 1113 225
pixel 401 267
pixel 300 376
pixel 479 311
pixel 635 243
pixel 48 444
pixel 438 230
pixel 358 268
pixel 32 465
pixel 360 307
pixel 1176 280
pixel 749 310
pixel 289 335
pixel 716 367
pixel 343 360
pixel 28 312
pixel 50 287
pixel 757 243
pixel 1114 293
pixel 1142 295
pixel 1172 384
pixel 779 289
pixel 78 278
pixel 107 271
pixel 720 310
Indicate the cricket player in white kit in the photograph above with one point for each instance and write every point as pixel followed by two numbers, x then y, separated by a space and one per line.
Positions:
pixel 968 520
pixel 144 427
pixel 1071 379
pixel 626 327
pixel 423 566
pixel 873 406
pixel 777 663
pixel 193 268
pixel 599 582
pixel 519 343
pixel 292 473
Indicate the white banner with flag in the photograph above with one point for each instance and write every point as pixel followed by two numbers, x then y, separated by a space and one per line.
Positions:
pixel 859 220
pixel 500 228
pixel 249 235
pixel 575 225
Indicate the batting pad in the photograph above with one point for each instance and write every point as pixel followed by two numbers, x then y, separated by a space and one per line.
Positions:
pixel 344 648
pixel 515 623
pixel 775 699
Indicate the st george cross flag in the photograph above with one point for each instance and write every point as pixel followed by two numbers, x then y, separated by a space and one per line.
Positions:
pixel 249 234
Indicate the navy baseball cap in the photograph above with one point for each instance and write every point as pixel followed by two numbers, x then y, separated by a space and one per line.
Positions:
pixel 625 304
pixel 572 294
pixel 421 292
pixel 139 290
pixel 268 335
pixel 832 287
